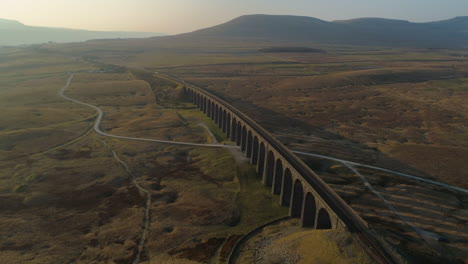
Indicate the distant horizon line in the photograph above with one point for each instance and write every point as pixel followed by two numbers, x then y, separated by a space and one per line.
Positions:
pixel 227 20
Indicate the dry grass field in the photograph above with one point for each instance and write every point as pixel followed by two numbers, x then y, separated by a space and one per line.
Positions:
pixel 410 106
pixel 286 242
pixel 399 109
pixel 424 213
pixel 63 197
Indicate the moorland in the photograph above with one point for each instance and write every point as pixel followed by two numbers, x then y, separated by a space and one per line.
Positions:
pixel 402 107
pixel 65 198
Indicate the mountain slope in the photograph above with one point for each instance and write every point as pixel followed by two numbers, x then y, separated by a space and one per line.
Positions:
pixel 10 24
pixel 15 33
pixel 274 27
pixel 451 33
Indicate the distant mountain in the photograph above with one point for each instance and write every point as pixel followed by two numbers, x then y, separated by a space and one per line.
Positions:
pixel 5 24
pixel 452 33
pixel 457 23
pixel 272 27
pixel 15 33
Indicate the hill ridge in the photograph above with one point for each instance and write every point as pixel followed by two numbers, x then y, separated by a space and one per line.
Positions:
pixel 369 31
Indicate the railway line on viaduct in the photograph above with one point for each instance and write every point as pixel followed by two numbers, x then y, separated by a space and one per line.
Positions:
pixel 298 187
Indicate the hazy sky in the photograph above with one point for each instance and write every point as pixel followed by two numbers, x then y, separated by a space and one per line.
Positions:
pixel 176 16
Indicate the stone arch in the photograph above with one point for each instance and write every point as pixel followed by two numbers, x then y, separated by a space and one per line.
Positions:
pixel 220 117
pixel 228 126
pixel 244 138
pixel 278 179
pixel 239 133
pixel 224 123
pixel 297 199
pixel 234 129
pixel 216 114
pixel 323 219
pixel 270 167
pixel 204 104
pixel 287 188
pixel 213 109
pixel 261 160
pixel 254 159
pixel 249 144
pixel 310 209
pixel 201 102
pixel 208 108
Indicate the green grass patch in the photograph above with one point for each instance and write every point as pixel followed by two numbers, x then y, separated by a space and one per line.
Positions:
pixel 253 201
pixel 256 202
pixel 252 204
pixel 456 85
pixel 194 115
pixel 20 188
pixel 217 163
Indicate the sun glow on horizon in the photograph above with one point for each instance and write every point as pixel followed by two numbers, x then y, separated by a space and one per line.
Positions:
pixel 178 16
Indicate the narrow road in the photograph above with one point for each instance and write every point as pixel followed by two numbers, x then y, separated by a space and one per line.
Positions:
pixel 347 162
pixel 426 235
pixel 98 130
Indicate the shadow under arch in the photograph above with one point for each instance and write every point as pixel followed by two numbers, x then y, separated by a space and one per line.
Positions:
pixel 278 180
pixel 308 219
pixel 323 219
pixel 297 199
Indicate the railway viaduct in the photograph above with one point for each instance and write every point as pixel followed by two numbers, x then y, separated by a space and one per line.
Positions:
pixel 279 169
pixel 298 187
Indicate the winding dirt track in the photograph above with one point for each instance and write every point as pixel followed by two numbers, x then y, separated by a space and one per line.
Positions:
pixel 97 129
pixel 146 224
